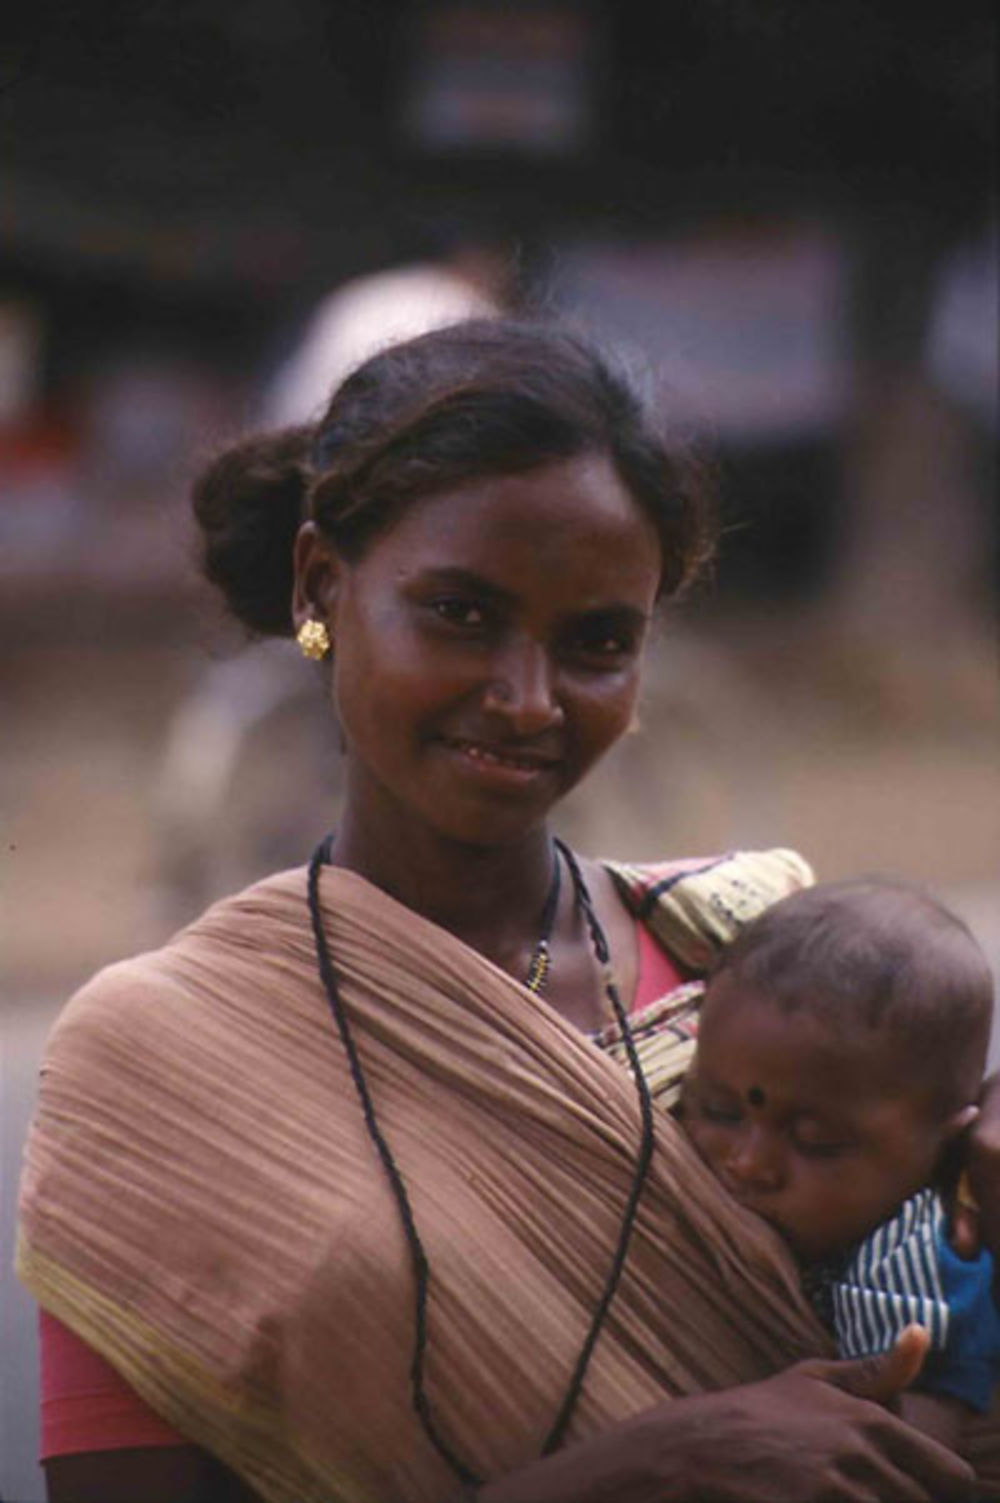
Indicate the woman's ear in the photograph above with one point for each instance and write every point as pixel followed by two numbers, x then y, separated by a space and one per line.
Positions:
pixel 317 577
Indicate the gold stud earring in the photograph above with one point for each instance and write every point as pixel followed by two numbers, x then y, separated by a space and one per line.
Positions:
pixel 314 640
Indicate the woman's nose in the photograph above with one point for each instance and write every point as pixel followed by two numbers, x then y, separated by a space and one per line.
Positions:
pixel 755 1161
pixel 522 689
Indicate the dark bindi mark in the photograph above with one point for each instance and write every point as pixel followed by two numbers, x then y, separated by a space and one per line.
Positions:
pixel 756 1096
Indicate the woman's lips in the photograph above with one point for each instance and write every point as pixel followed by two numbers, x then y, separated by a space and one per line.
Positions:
pixel 491 758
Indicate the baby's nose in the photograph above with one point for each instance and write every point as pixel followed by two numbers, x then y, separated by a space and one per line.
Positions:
pixel 755 1161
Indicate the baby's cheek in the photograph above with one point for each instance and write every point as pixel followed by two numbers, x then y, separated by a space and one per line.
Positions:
pixel 708 1141
pixel 821 1210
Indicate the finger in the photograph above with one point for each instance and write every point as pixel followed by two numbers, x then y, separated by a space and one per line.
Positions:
pixel 947 1477
pixel 898 1487
pixel 965 1231
pixel 906 1474
pixel 964 1236
pixel 964 1195
pixel 882 1377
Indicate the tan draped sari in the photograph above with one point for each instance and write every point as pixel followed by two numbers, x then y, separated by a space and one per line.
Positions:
pixel 201 1202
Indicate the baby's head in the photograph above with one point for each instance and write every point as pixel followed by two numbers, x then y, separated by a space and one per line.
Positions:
pixel 841 1049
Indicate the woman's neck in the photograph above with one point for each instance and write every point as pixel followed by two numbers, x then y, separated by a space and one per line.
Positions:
pixel 491 897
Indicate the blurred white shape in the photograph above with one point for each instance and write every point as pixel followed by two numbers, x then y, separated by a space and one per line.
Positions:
pixel 962 342
pixel 742 327
pixel 500 78
pixel 210 726
pixel 362 317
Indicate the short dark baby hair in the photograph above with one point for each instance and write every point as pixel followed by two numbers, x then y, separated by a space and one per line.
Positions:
pixel 883 957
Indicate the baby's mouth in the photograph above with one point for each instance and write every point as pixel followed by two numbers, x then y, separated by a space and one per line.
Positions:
pixel 757 1204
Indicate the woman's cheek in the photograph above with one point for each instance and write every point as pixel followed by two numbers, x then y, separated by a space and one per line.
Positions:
pixel 610 715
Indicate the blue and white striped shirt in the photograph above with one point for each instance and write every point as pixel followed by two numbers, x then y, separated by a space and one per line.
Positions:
pixel 906 1273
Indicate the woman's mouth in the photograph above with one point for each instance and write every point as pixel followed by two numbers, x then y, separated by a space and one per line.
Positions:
pixel 491 759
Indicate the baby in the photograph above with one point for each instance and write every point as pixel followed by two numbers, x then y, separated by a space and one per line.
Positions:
pixel 841 1048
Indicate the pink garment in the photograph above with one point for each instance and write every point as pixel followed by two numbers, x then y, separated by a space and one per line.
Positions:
pixel 86 1406
pixel 657 972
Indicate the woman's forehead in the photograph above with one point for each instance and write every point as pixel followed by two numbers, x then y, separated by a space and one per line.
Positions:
pixel 583 490
pixel 576 514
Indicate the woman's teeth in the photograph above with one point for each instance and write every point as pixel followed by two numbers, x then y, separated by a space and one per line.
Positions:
pixel 486 754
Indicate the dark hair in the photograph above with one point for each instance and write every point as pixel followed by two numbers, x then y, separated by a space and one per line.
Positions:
pixel 879 956
pixel 482 397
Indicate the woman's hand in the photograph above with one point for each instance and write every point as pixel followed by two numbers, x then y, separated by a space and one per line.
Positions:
pixel 817 1433
pixel 976 1222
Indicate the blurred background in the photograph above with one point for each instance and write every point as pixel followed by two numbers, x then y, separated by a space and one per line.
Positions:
pixel 783 210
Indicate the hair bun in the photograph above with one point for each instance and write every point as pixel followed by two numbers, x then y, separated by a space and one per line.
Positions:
pixel 248 503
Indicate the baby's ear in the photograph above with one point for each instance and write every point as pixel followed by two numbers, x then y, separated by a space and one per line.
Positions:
pixel 959 1121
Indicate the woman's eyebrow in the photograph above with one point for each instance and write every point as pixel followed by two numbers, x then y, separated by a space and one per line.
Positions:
pixel 453 577
pixel 617 612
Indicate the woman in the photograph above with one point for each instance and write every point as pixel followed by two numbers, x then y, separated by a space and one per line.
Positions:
pixel 338 1181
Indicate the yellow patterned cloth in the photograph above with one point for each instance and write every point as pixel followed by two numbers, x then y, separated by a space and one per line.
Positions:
pixel 694 908
pixel 665 1034
pixel 202 1204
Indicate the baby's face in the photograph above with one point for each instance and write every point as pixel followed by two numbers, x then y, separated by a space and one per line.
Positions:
pixel 821 1135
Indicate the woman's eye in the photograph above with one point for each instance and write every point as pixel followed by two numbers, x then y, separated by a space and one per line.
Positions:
pixel 605 642
pixel 608 647
pixel 459 612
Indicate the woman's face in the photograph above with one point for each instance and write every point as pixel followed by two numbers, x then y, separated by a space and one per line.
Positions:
pixel 487 648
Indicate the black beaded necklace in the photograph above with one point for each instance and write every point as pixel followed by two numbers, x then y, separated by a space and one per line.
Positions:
pixel 537 973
